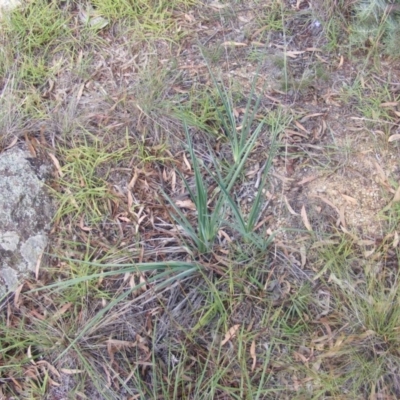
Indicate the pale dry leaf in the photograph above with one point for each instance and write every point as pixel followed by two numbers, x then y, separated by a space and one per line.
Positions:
pixel 365 335
pixel 61 311
pixel 16 296
pixel 187 163
pixel 274 99
pixel 295 133
pixel 52 382
pixel 304 217
pixel 362 81
pixel 82 225
pixel 230 334
pixel 130 200
pixel 235 44
pixel 342 217
pixel 140 342
pixel 289 207
pixel 396 197
pixel 143 282
pixel 221 232
pixel 56 164
pixel 322 60
pixel 132 282
pixel 389 104
pixel 394 137
pixel 365 242
pixel 189 17
pixel 303 255
pixel 369 253
pixel 380 171
pixel 306 117
pixel 323 243
pixel 300 126
pixel 341 62
pixel 173 180
pixel 29 355
pixel 12 144
pixel 282 178
pixel 217 5
pixel 253 355
pixel 186 204
pixel 306 180
pixel 32 372
pixel 258 44
pixel 395 239
pixel 144 363
pixel 120 344
pixel 300 357
pixel 29 142
pixel 38 263
pixel 121 217
pixel 50 367
pixel 286 287
pixel 293 54
pixel 223 261
pixel 134 179
pixel 69 371
pixel 350 199
pixel 253 171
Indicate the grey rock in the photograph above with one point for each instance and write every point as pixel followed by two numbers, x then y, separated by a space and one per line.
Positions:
pixel 26 212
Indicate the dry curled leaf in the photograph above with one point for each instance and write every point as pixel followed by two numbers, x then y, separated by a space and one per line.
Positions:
pixel 394 137
pixel 350 199
pixel 230 334
pixel 217 5
pixel 293 54
pixel 308 116
pixel 289 207
pixel 300 126
pixel 303 255
pixel 304 217
pixel 380 171
pixel 342 217
pixel 56 164
pixel 187 163
pixel 236 44
pixel 69 371
pixel 395 239
pixel 12 144
pixel 186 204
pixel 396 197
pixel 253 355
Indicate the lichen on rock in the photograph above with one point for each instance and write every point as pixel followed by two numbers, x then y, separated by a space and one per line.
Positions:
pixel 26 211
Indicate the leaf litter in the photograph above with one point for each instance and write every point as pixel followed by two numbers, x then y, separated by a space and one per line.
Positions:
pixel 314 185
